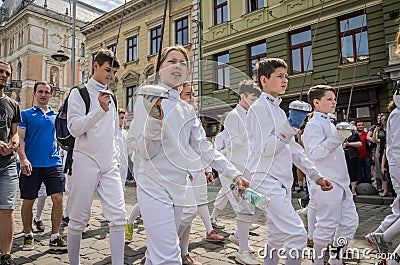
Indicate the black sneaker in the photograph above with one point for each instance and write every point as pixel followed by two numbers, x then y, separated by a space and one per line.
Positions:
pixel 7 260
pixel 39 225
pixel 58 244
pixel 65 220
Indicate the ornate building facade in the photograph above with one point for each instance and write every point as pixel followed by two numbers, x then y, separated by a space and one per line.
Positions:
pixel 30 32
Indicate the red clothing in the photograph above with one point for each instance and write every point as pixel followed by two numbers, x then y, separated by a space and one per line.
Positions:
pixel 363 152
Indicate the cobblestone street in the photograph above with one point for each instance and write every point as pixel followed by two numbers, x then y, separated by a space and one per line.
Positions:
pixel 95 244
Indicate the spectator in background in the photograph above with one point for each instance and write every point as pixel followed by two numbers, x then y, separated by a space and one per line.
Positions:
pixel 9 143
pixel 364 155
pixel 379 137
pixel 371 145
pixel 351 153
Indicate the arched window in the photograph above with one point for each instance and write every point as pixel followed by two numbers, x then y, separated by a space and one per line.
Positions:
pixel 82 49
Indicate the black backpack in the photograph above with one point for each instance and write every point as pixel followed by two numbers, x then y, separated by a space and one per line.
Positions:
pixel 65 140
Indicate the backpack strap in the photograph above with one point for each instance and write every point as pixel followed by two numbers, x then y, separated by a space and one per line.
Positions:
pixel 114 98
pixel 85 96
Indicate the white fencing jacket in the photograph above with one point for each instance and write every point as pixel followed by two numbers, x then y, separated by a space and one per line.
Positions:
pixel 324 148
pixel 96 132
pixel 268 153
pixel 163 148
pixel 237 141
pixel 393 138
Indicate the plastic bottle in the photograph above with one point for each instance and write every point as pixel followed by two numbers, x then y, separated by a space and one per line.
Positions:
pixel 253 197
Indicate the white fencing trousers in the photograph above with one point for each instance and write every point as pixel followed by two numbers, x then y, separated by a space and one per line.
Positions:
pixel 84 182
pixel 336 215
pixel 161 220
pixel 196 195
pixel 395 215
pixel 284 225
pixel 225 194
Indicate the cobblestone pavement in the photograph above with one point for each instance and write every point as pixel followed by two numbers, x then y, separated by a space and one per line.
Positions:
pixel 95 244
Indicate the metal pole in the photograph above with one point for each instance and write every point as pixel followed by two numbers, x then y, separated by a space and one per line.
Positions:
pixel 73 43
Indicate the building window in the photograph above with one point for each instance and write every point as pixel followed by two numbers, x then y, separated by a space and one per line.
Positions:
pixel 93 56
pixel 19 71
pixel 300 50
pixel 11 44
pixel 113 48
pixel 220 11
pixel 222 72
pixel 155 40
pixel 182 31
pixel 254 5
pixel 131 49
pixel 20 39
pixel 257 52
pixel 83 79
pixel 83 49
pixel 354 38
pixel 130 93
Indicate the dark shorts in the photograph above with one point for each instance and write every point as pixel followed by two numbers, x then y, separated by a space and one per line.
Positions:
pixel 52 177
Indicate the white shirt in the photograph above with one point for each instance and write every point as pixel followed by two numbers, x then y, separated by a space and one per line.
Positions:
pixel 237 141
pixel 123 152
pixel 324 148
pixel 393 138
pixel 268 153
pixel 95 132
pixel 220 142
pixel 163 147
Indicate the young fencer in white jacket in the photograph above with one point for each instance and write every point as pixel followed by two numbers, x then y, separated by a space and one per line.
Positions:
pixel 389 228
pixel 196 193
pixel 237 152
pixel 272 152
pixel 336 214
pixel 95 160
pixel 162 149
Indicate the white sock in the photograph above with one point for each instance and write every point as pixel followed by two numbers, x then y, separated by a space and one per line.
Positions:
pixel 39 207
pixel 215 213
pixel 73 246
pixel 134 213
pixel 319 251
pixel 184 234
pixel 271 258
pixel 54 236
pixel 243 235
pixel 29 234
pixel 117 246
pixel 311 221
pixel 204 213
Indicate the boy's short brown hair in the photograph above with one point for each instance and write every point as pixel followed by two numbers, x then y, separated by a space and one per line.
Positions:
pixel 317 92
pixel 248 87
pixel 104 55
pixel 267 66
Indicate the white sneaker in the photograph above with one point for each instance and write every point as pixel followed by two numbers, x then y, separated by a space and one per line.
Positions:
pixel 254 227
pixel 235 241
pixel 246 258
pixel 216 224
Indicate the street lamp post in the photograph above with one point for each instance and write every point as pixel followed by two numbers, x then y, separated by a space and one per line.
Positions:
pixel 73 43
